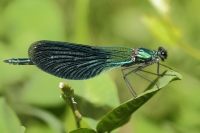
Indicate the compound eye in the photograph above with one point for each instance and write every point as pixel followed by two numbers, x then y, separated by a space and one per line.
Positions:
pixel 163 53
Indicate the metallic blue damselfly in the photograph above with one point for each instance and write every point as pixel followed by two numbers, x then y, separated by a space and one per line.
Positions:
pixel 78 62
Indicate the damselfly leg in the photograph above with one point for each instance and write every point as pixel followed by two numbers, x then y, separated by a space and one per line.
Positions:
pixel 133 92
pixel 140 68
pixel 158 70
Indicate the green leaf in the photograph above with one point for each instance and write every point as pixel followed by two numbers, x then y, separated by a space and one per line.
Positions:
pixel 168 33
pixel 83 130
pixel 81 23
pixel 96 90
pixel 94 96
pixel 47 117
pixel 121 115
pixel 22 129
pixel 35 90
pixel 91 110
pixel 162 6
pixel 163 30
pixel 9 122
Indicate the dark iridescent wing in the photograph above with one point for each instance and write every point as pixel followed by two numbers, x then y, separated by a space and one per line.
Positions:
pixel 77 61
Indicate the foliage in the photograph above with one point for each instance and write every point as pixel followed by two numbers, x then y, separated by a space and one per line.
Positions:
pixel 29 98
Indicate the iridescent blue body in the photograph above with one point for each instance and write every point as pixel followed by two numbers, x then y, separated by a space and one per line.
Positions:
pixel 78 61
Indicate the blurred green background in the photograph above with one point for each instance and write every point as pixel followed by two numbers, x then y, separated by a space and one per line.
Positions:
pixel 30 97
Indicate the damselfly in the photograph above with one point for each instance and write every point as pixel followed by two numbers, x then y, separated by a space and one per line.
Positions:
pixel 78 62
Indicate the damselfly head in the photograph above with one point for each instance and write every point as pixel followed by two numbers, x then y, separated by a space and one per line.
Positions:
pixel 162 53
